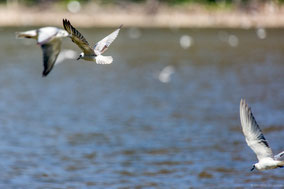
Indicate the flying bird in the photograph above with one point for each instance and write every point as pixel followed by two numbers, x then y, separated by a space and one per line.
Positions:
pixel 49 38
pixel 89 53
pixel 256 141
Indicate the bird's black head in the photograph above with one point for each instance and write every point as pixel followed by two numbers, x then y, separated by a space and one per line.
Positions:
pixel 81 56
pixel 253 167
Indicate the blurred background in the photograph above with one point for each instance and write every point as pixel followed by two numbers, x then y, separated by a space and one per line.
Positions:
pixel 165 114
pixel 144 13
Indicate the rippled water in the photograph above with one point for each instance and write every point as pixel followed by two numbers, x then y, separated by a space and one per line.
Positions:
pixel 119 126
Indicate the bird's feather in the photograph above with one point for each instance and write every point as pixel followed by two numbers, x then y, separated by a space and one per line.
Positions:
pixel 280 156
pixel 101 46
pixel 78 38
pixel 27 34
pixel 103 59
pixel 65 54
pixel 46 34
pixel 253 134
pixel 50 52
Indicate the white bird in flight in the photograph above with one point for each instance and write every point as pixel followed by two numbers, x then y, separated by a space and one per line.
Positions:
pixel 49 38
pixel 256 141
pixel 89 53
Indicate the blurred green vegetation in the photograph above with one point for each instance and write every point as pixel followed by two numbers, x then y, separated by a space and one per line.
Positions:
pixel 170 2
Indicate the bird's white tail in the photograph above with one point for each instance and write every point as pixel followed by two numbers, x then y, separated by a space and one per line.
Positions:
pixel 103 59
pixel 27 34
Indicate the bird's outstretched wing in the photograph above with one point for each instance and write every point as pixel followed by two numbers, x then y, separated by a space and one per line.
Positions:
pixel 46 34
pixel 50 53
pixel 101 46
pixel 78 38
pixel 253 134
pixel 65 54
pixel 280 156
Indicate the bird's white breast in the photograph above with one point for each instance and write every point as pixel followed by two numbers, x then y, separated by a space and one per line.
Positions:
pixel 267 163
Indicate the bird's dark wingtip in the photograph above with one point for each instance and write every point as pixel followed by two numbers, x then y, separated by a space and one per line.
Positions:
pixel 45 73
pixel 66 22
pixel 120 26
pixel 244 104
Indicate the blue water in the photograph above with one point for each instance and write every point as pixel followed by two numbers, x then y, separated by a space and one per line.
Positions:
pixel 119 126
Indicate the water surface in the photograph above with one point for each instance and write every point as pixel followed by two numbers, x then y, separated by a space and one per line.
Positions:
pixel 119 126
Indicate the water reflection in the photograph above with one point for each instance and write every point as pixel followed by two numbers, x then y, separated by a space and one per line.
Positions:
pixel 261 33
pixel 165 75
pixel 185 41
pixel 233 40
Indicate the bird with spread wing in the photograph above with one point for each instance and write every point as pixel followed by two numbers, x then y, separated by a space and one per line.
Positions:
pixel 49 38
pixel 89 53
pixel 257 142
